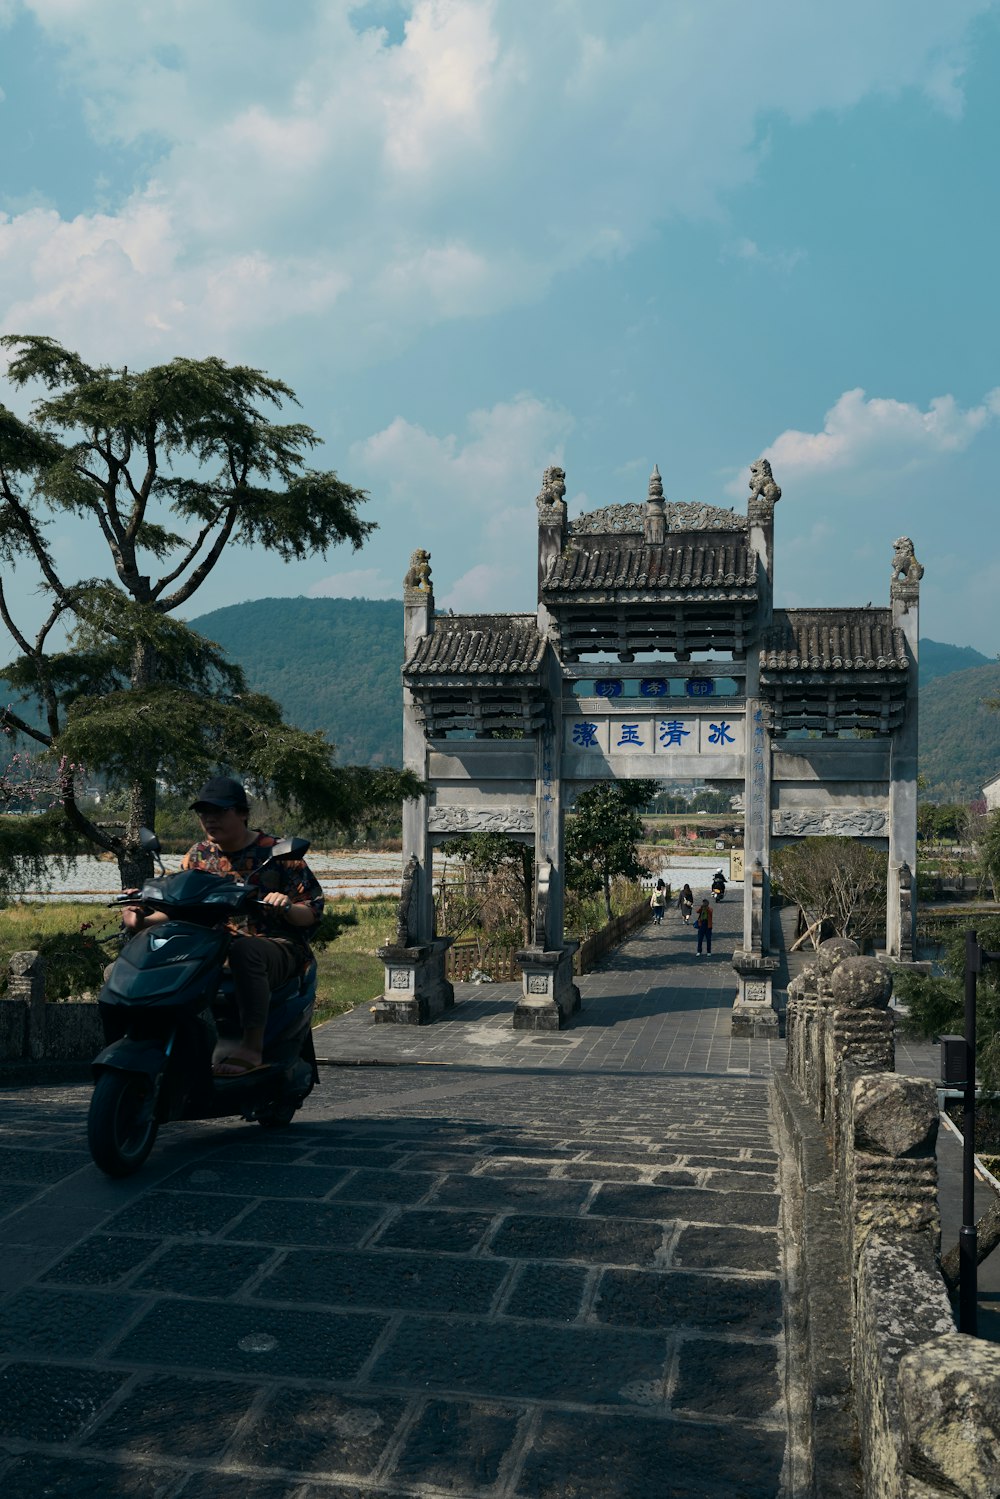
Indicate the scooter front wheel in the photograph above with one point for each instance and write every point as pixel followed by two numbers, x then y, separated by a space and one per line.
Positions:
pixel 121 1125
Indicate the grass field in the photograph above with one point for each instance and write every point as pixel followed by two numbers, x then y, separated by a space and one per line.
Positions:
pixel 349 971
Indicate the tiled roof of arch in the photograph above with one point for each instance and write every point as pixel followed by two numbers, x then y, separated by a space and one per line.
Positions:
pixel 687 561
pixel 475 644
pixel 833 640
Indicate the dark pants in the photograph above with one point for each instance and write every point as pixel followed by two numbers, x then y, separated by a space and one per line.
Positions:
pixel 704 934
pixel 259 966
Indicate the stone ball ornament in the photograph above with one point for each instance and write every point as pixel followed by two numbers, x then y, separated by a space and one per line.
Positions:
pixel 861 984
pixel 834 951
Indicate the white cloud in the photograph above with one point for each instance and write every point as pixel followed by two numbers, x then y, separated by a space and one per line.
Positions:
pixel 872 434
pixel 362 583
pixel 457 494
pixel 300 155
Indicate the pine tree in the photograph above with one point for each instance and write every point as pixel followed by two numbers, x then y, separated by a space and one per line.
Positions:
pixel 172 465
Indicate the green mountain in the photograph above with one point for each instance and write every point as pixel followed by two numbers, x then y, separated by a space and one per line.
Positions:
pixel 331 664
pixel 959 736
pixel 938 660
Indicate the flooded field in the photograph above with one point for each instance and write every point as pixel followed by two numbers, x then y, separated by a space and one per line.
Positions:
pixel 349 874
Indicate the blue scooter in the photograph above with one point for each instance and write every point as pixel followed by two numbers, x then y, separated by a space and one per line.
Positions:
pixel 168 999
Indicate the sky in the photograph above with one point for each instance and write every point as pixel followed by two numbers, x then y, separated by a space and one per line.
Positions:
pixel 479 237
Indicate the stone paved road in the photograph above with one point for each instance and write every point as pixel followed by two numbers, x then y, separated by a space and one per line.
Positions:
pixel 504 1281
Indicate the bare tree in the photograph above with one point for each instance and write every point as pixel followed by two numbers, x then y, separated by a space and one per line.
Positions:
pixel 837 881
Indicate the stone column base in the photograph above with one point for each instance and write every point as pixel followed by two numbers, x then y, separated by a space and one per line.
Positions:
pixel 416 988
pixel 548 994
pixel 753 1008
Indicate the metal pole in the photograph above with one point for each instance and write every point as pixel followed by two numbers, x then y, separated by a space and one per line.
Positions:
pixel 968 1259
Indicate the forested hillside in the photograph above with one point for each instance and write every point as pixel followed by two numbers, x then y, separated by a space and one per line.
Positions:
pixel 939 660
pixel 959 735
pixel 332 664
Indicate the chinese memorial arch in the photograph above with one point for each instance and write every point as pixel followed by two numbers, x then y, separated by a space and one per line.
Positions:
pixel 655 651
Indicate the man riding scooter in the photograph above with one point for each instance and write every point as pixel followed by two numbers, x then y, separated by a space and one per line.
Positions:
pixel 271 945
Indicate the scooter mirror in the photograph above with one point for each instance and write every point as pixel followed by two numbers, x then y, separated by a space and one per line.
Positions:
pixel 290 848
pixel 148 841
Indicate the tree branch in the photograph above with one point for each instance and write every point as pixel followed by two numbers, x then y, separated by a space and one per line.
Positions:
pixel 32 537
pixel 10 719
pixel 186 561
pixel 202 571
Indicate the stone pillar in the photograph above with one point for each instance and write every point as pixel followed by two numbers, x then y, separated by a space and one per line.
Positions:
pixel 549 995
pixel 753 1010
pixel 757 788
pixel 859 1039
pixel 416 986
pixel 901 904
pixel 26 984
pixel 889 1162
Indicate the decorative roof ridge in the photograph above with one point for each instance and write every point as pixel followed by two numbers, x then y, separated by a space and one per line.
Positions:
pixel 680 515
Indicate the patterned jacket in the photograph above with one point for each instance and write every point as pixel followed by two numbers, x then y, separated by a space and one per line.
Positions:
pixel 292 877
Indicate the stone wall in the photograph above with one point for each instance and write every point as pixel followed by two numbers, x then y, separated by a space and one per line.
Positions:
pixel 33 1031
pixel 927 1398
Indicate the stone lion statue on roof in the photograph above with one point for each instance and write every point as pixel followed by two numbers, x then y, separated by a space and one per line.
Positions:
pixel 419 572
pixel 762 485
pixel 904 563
pixel 553 490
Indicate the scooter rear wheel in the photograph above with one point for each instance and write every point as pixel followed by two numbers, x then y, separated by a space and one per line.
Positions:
pixel 121 1126
pixel 277 1116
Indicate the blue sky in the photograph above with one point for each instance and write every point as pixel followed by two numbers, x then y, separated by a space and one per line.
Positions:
pixel 479 237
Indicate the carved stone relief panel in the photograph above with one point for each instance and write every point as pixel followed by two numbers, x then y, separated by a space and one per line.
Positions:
pixel 400 978
pixel 538 983
pixel 481 820
pixel 755 992
pixel 847 822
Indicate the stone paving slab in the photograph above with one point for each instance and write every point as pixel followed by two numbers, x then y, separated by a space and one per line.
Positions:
pixel 475 1285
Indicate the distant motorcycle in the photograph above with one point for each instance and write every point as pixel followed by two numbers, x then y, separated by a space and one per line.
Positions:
pixel 718 885
pixel 165 1003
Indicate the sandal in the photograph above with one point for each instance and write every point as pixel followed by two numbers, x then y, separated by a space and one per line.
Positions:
pixel 241 1068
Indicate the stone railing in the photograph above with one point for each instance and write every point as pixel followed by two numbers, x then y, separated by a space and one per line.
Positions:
pixel 926 1398
pixel 595 947
pixel 32 1030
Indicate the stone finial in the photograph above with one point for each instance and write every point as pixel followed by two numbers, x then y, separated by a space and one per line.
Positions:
pixel 860 984
pixel 418 576
pixel 833 952
pixel 553 490
pixel 905 567
pixel 762 485
pixel 654 520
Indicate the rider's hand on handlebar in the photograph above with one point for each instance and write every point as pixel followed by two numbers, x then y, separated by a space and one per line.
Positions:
pixel 276 899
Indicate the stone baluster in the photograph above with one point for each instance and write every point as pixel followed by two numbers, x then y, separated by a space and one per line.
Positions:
pixel 859 1038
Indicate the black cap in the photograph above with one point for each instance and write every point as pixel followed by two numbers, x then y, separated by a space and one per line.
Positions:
pixel 223 792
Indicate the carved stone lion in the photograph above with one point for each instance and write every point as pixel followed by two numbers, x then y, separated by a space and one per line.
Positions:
pixel 553 490
pixel 904 562
pixel 762 485
pixel 419 574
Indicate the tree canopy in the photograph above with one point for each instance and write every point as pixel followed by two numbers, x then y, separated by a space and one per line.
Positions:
pixel 172 465
pixel 602 835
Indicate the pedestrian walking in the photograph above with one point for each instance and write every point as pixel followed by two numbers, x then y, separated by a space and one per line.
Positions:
pixel 686 904
pixel 703 926
pixel 657 902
